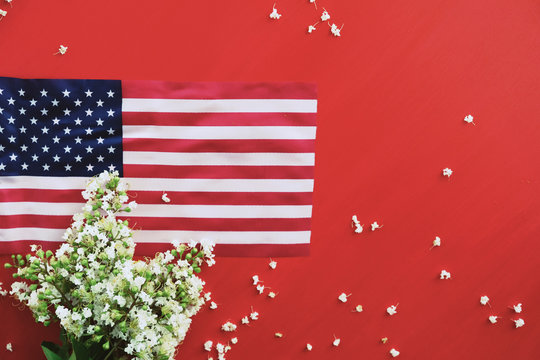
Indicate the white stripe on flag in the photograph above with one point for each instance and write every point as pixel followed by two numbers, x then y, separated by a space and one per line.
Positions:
pixel 166 236
pixel 227 159
pixel 220 105
pixel 158 184
pixel 219 132
pixel 167 210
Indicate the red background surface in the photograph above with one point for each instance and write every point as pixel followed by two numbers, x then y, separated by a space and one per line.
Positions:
pixel 393 91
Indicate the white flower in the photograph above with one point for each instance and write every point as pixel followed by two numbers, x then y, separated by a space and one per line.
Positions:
pixel 220 348
pixel 356 224
pixel 445 274
pixel 272 264
pixel 234 340
pixel 437 241
pixel 343 297
pixel 76 316
pixel 325 15
pixel 358 308
pixel 469 119
pixel 394 352
pixel 335 30
pixel 245 320
pixel 9 347
pixel 517 308
pixel 254 315
pixel 375 226
pixel 391 310
pixel 213 305
pixel 493 319
pixel 271 294
pixel 228 326
pixel 208 345
pixel 309 347
pixel 3 12
pixel 87 312
pixel 484 300
pixel 165 198
pixel 260 288
pixel 336 341
pixel 519 322
pixel 255 279
pixel 447 172
pixel 274 14
pixel 175 243
pixel 62 312
pixel 2 291
pixel 62 50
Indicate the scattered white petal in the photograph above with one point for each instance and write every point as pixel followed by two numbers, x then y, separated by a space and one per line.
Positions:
pixel 447 172
pixel 375 226
pixel 517 308
pixel 335 30
pixel 254 315
pixel 309 347
pixel 62 50
pixel 519 322
pixel 9 347
pixel 384 340
pixel 358 308
pixel 274 14
pixel 445 275
pixel 3 13
pixel 234 340
pixel 207 296
pixel 311 28
pixel 255 279
pixel 484 300
pixel 213 305
pixel 437 241
pixel 391 310
pixel 272 264
pixel 278 335
pixel 358 228
pixel 208 345
pixel 343 297
pixel 336 341
pixel 469 119
pixel 493 319
pixel 245 320
pixel 394 352
pixel 325 16
pixel 260 288
pixel 271 294
pixel 165 198
pixel 228 326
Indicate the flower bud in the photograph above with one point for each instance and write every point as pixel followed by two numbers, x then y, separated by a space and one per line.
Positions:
pixel 48 254
pixel 8 265
pixel 106 346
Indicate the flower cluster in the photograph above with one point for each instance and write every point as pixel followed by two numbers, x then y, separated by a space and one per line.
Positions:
pixel 99 294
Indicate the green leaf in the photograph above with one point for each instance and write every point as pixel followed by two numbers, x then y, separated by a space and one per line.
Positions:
pixel 79 349
pixel 50 350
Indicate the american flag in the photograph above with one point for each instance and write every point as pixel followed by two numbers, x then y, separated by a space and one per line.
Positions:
pixel 235 159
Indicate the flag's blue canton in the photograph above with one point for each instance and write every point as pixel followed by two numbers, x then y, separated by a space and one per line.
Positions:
pixel 60 127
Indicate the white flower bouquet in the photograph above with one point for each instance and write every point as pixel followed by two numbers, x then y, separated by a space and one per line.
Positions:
pixel 110 306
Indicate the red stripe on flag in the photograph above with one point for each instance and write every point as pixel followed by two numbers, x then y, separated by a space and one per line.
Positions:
pixel 218 119
pixel 39 195
pixel 154 197
pixel 216 90
pixel 209 224
pixel 41 221
pixel 229 146
pixel 223 198
pixel 219 172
